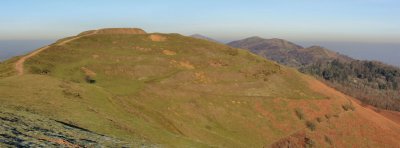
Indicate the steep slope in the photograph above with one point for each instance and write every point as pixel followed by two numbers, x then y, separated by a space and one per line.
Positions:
pixel 199 36
pixel 177 91
pixel 372 82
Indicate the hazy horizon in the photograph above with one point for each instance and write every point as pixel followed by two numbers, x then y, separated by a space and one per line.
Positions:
pixel 12 48
pixel 307 20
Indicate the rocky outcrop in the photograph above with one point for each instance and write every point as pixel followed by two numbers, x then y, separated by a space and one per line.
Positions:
pixel 23 129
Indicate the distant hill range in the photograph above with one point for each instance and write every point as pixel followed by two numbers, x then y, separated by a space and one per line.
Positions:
pixel 372 82
pixel 199 36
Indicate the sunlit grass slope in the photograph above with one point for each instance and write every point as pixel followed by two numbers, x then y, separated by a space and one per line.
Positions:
pixel 168 89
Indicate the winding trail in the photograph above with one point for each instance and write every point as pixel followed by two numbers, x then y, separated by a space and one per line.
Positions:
pixel 19 65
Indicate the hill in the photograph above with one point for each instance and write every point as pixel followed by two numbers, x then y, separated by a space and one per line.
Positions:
pixel 259 44
pixel 199 36
pixel 171 90
pixel 285 52
pixel 372 82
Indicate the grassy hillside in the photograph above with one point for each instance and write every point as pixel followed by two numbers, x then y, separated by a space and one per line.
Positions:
pixel 372 82
pixel 177 91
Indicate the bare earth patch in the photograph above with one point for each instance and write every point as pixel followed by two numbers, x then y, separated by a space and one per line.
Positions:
pixel 201 77
pixel 183 64
pixel 169 52
pixel 157 38
pixel 62 142
pixel 186 64
pixel 88 72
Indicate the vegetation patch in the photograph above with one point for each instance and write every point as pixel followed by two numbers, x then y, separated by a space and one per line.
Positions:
pixel 90 79
pixel 328 140
pixel 311 125
pixel 328 116
pixel 348 107
pixel 299 139
pixel 309 142
pixel 372 82
pixel 232 51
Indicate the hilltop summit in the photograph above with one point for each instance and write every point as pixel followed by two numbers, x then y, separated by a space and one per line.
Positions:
pixel 116 31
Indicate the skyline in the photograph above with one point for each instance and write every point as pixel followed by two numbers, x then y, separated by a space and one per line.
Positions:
pixel 306 20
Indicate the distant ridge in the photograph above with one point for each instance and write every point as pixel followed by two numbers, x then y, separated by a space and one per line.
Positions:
pixel 286 52
pixel 199 36
pixel 257 43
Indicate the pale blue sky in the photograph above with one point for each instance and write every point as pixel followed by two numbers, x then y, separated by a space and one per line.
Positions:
pixel 298 20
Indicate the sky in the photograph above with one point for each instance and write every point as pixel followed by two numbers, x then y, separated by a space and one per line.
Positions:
pixel 299 20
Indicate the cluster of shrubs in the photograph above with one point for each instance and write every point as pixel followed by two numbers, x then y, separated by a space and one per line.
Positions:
pixel 232 51
pixel 309 142
pixel 348 107
pixel 328 140
pixel 311 125
pixel 328 116
pixel 372 82
pixel 90 80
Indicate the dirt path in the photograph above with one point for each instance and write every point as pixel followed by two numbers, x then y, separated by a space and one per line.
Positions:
pixel 19 65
